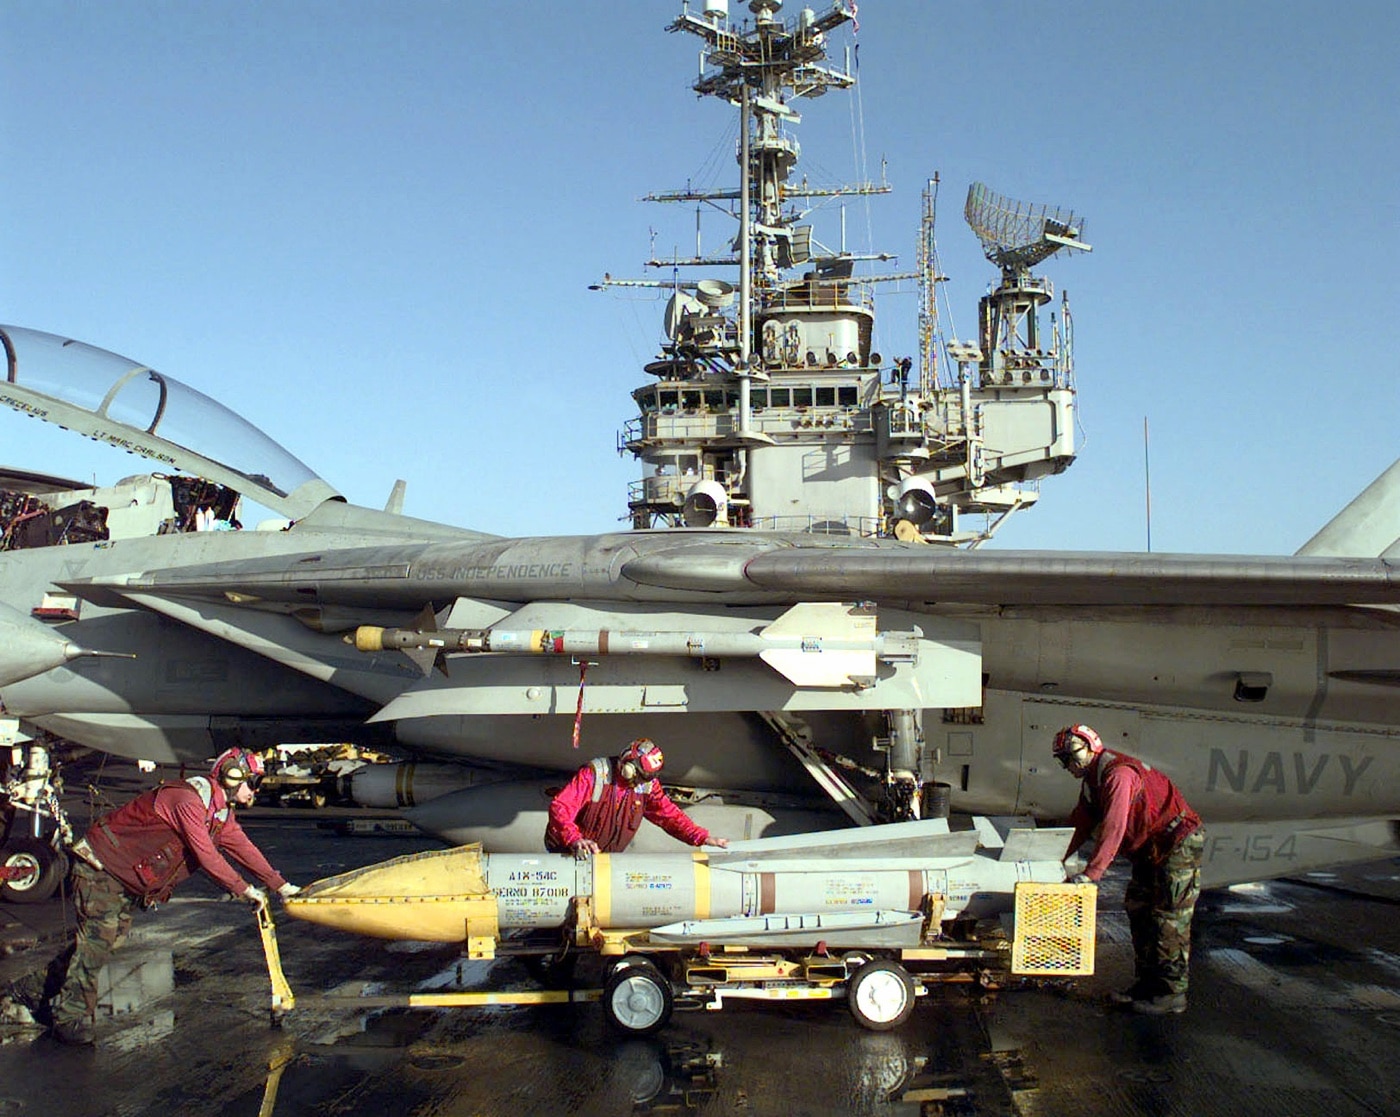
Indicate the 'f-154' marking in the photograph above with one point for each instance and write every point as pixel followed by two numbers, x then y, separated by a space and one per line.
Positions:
pixel 1273 773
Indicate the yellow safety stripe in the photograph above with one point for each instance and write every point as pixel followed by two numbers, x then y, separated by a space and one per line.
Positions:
pixel 602 889
pixel 702 885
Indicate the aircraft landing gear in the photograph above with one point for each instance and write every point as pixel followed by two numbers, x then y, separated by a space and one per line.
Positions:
pixel 32 861
pixel 30 871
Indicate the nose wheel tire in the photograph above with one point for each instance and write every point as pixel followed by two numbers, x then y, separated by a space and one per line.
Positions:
pixel 637 998
pixel 33 871
pixel 881 995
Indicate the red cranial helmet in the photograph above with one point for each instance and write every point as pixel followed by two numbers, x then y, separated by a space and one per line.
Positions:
pixel 641 760
pixel 1074 740
pixel 236 766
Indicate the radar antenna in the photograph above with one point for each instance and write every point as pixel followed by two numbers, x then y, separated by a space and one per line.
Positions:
pixel 1016 348
pixel 1015 235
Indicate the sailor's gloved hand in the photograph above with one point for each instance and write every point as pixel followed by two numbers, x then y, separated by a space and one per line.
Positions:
pixel 1080 878
pixel 585 848
pixel 255 896
pixel 288 890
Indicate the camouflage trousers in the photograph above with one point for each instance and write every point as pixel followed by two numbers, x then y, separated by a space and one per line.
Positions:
pixel 104 910
pixel 1160 901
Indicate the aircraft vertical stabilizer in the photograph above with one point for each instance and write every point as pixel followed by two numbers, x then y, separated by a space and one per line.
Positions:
pixel 1367 527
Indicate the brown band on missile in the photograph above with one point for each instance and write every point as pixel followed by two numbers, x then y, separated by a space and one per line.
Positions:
pixel 767 893
pixel 602 641
pixel 916 889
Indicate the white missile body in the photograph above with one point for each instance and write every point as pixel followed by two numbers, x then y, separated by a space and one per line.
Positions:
pixel 815 644
pixel 861 881
pixel 415 782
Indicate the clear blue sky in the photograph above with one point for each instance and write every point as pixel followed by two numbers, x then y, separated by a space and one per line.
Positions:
pixel 371 228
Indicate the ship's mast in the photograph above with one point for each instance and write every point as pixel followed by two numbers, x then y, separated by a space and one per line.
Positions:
pixel 777 412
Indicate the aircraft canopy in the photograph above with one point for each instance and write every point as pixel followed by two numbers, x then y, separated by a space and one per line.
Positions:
pixel 116 400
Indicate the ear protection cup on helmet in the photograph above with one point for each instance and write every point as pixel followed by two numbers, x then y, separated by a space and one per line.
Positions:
pixel 1071 737
pixel 237 766
pixel 640 760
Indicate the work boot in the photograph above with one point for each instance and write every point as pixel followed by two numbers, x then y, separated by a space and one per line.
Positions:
pixel 78 1033
pixel 1126 996
pixel 1164 1005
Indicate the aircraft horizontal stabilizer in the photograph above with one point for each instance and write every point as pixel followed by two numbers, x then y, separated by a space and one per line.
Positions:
pixel 1238 852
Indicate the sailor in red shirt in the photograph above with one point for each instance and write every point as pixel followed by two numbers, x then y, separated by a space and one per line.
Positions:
pixel 137 855
pixel 602 807
pixel 1131 808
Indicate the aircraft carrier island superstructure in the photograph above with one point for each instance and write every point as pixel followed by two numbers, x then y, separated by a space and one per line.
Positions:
pixel 771 407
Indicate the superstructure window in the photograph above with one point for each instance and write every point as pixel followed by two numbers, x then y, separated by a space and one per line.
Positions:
pixel 848 396
pixel 826 397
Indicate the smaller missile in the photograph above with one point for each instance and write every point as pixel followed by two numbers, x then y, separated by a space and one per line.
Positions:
pixel 824 644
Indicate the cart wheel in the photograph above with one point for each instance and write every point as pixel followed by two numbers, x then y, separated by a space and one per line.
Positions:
pixel 34 871
pixel 881 996
pixel 637 998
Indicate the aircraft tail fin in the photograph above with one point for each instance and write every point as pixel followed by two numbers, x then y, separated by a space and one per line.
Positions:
pixel 1367 527
pixel 395 502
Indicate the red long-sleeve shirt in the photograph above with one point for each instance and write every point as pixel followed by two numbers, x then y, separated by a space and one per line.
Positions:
pixel 163 835
pixel 614 818
pixel 1134 807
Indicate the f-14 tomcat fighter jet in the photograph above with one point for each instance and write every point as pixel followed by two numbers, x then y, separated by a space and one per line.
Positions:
pixel 793 678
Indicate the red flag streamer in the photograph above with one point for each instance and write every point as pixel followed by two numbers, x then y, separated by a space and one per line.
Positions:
pixel 578 713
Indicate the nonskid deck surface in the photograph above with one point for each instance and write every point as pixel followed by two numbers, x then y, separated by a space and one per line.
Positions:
pixel 1295 1010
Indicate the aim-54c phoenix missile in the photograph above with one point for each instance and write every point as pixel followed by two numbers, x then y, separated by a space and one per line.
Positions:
pixel 816 644
pixel 854 887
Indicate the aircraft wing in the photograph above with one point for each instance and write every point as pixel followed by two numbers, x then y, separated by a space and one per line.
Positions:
pixel 669 595
pixel 755 569
pixel 1028 577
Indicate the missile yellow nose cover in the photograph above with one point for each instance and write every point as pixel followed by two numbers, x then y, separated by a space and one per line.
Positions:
pixel 438 896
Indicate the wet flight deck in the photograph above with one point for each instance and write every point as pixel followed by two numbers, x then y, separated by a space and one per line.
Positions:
pixel 1295 1010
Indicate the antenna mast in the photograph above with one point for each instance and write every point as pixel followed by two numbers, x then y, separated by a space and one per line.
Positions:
pixel 928 293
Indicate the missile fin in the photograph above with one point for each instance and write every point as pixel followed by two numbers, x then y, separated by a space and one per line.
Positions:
pixel 813 667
